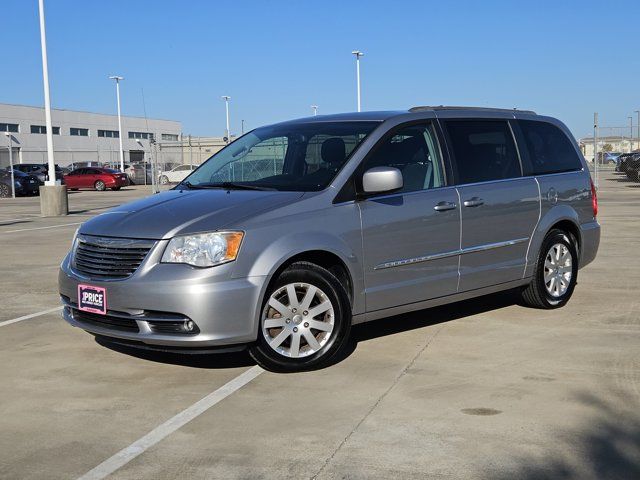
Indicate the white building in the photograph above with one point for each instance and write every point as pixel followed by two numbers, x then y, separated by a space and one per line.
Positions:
pixel 79 136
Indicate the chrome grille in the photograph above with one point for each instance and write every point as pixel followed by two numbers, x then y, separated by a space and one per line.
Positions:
pixel 109 258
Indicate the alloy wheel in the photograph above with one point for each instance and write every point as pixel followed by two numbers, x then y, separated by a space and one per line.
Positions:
pixel 298 320
pixel 558 270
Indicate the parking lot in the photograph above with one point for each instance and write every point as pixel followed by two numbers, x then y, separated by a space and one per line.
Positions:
pixel 480 389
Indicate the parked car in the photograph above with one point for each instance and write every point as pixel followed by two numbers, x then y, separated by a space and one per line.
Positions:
pixel 96 178
pixel 24 184
pixel 632 168
pixel 39 170
pixel 176 174
pixel 294 232
pixel 624 160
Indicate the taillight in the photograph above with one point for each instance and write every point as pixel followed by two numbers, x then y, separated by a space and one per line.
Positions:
pixel 594 200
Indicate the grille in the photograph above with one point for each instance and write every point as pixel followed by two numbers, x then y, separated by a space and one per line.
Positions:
pixel 106 321
pixel 109 258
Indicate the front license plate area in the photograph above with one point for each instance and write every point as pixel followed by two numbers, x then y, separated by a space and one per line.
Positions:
pixel 92 299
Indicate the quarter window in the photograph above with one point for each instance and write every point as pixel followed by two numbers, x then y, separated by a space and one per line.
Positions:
pixel 550 150
pixel 484 150
pixel 414 151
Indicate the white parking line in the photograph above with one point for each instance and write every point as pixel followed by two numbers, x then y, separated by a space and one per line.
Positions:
pixel 138 447
pixel 27 317
pixel 41 228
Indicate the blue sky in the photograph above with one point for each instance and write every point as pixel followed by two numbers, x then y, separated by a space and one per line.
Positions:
pixel 276 58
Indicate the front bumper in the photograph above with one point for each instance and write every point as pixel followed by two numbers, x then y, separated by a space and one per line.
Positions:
pixel 225 309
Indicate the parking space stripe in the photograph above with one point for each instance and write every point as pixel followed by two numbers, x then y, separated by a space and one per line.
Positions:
pixel 138 447
pixel 41 228
pixel 27 317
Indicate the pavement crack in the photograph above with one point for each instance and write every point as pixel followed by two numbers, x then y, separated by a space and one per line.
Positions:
pixel 376 403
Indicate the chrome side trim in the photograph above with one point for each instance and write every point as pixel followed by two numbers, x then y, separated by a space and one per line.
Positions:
pixel 491 246
pixel 453 253
pixel 409 261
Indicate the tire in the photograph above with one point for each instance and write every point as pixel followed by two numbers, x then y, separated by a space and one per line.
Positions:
pixel 100 186
pixel 5 190
pixel 292 325
pixel 552 265
pixel 164 179
pixel 115 189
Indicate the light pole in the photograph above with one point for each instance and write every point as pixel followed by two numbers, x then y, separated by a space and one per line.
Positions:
pixel 117 79
pixel 315 109
pixel 630 134
pixel 53 195
pixel 637 112
pixel 13 180
pixel 242 127
pixel 47 98
pixel 226 99
pixel 358 54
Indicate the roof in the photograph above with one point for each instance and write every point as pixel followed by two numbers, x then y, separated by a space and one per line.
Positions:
pixel 348 117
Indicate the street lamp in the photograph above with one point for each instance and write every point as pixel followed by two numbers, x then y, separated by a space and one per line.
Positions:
pixel 53 195
pixel 358 54
pixel 226 99
pixel 13 180
pixel 637 112
pixel 630 134
pixel 315 109
pixel 117 79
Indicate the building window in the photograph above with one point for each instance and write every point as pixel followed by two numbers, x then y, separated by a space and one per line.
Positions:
pixel 170 137
pixel 141 135
pixel 9 127
pixel 79 132
pixel 43 129
pixel 109 133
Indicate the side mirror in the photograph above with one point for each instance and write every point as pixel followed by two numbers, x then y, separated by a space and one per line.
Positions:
pixel 381 179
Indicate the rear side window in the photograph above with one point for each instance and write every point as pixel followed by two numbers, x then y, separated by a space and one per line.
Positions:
pixel 484 150
pixel 550 150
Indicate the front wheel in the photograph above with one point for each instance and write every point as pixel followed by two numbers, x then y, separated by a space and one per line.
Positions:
pixel 556 272
pixel 5 190
pixel 115 189
pixel 100 186
pixel 164 179
pixel 305 320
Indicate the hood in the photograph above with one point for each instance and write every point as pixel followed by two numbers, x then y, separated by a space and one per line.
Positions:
pixel 184 211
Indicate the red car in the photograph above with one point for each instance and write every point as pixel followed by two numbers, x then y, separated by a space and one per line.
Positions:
pixel 97 178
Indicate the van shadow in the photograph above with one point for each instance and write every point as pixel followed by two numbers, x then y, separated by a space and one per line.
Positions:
pixel 425 318
pixel 359 333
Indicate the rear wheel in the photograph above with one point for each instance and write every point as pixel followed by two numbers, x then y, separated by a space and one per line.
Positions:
pixel 556 272
pixel 115 189
pixel 100 186
pixel 5 191
pixel 164 179
pixel 305 320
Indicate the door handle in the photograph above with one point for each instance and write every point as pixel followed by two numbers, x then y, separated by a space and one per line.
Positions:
pixel 444 206
pixel 473 202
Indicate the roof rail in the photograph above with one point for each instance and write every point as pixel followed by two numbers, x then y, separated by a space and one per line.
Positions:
pixel 479 109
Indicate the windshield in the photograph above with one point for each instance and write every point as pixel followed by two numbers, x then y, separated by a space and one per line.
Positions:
pixel 295 157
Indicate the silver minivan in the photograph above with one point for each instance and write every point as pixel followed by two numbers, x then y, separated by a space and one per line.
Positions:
pixel 296 231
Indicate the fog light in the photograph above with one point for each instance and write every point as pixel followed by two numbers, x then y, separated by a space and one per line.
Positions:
pixel 189 326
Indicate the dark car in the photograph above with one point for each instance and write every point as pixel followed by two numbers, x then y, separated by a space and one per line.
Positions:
pixel 39 170
pixel 24 184
pixel 632 168
pixel 96 178
pixel 625 160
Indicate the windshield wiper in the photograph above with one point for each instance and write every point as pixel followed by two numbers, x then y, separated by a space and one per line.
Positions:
pixel 225 186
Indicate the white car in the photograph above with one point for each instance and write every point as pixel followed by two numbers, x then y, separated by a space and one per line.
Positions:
pixel 176 174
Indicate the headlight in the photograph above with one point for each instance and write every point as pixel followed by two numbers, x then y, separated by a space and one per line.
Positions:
pixel 203 249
